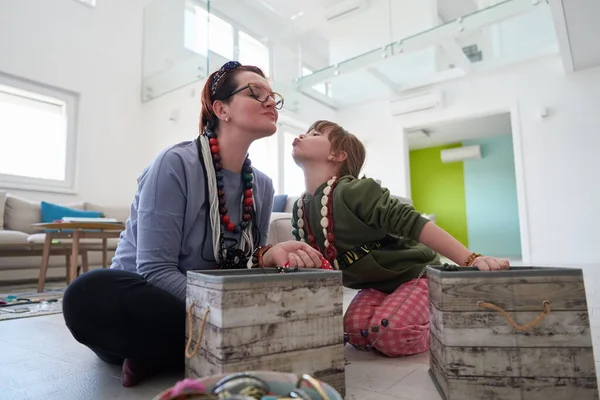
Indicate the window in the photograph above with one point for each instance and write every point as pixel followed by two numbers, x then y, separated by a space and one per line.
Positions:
pixel 263 154
pixel 220 37
pixel 198 24
pixel 37 136
pixel 293 177
pixel 204 31
pixel 273 156
pixel 253 52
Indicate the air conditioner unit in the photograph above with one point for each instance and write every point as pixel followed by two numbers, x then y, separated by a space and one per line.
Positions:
pixel 416 102
pixel 461 154
pixel 342 8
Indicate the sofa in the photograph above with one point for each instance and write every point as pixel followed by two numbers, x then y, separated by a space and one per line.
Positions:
pixel 21 245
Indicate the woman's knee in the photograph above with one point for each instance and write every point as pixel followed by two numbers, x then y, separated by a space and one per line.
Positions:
pixel 94 294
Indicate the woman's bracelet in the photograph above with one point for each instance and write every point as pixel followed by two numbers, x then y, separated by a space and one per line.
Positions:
pixel 257 256
pixel 469 261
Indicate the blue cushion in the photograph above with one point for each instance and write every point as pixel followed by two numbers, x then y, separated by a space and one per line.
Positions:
pixel 52 212
pixel 279 202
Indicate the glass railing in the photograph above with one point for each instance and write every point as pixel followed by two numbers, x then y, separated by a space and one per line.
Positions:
pixel 175 45
pixel 345 53
pixel 504 33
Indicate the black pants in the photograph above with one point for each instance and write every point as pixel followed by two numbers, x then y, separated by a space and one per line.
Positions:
pixel 118 315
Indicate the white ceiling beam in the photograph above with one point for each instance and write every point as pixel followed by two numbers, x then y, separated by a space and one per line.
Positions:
pixel 577 30
pixel 562 34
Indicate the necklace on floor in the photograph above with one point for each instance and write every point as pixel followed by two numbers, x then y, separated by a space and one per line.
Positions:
pixel 304 233
pixel 228 257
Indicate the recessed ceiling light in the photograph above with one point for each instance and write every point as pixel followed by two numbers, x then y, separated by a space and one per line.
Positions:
pixel 293 17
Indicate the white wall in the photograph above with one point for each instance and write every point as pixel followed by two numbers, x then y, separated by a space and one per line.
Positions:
pixel 95 52
pixel 374 125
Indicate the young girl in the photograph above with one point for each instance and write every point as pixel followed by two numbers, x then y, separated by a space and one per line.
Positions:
pixel 381 245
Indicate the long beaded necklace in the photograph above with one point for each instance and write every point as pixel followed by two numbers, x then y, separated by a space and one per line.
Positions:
pixel 326 222
pixel 228 257
pixel 303 232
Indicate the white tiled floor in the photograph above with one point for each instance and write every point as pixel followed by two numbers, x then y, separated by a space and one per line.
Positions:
pixel 41 360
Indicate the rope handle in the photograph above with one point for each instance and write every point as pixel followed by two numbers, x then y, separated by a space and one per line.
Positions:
pixel 518 328
pixel 190 315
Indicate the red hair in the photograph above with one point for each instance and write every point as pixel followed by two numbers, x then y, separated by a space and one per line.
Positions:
pixel 225 86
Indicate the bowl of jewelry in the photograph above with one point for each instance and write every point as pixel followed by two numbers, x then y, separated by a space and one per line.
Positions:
pixel 253 385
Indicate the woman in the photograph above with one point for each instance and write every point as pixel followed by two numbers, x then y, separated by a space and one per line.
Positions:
pixel 199 205
pixel 381 245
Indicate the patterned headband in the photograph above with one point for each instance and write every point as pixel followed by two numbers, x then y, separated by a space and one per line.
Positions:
pixel 228 66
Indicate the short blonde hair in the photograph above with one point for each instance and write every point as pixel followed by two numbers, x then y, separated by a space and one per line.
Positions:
pixel 342 140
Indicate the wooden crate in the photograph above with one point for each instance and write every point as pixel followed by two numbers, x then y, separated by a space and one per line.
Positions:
pixel 264 320
pixel 476 353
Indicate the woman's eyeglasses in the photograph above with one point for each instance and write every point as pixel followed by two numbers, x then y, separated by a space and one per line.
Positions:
pixel 261 94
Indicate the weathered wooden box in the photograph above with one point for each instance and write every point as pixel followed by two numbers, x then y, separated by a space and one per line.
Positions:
pixel 265 320
pixel 475 351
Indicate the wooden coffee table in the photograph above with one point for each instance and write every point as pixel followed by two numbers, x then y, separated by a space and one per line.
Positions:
pixel 76 231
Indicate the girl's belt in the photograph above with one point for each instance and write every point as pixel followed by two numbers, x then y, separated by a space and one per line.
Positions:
pixel 355 254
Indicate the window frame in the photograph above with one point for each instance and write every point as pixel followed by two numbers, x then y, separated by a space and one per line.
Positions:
pixel 71 100
pixel 237 28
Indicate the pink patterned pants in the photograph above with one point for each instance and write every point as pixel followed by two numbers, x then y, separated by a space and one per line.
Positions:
pixel 407 332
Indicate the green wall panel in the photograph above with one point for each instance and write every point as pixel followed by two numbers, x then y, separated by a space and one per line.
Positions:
pixel 438 188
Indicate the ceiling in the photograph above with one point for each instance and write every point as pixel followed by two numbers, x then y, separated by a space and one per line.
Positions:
pixel 442 133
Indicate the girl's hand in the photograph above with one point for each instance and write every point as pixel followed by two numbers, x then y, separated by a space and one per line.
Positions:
pixel 298 254
pixel 485 263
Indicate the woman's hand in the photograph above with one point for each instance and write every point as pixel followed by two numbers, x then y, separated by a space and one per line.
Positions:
pixel 298 254
pixel 486 263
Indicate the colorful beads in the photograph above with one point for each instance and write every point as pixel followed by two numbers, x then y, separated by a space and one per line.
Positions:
pixel 326 223
pixel 247 179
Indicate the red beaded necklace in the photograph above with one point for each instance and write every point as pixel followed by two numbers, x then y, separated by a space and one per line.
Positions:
pixel 326 224
pixel 232 257
pixel 247 178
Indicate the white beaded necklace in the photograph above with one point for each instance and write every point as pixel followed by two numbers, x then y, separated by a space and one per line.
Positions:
pixel 326 203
